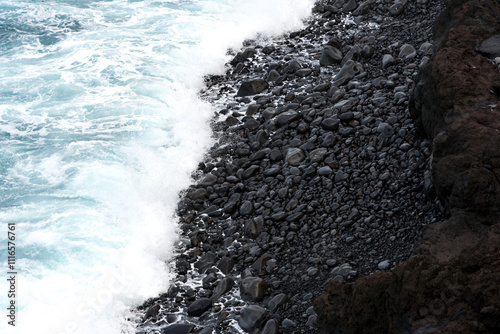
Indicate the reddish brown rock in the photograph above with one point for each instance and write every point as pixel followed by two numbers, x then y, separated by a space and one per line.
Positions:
pixel 455 101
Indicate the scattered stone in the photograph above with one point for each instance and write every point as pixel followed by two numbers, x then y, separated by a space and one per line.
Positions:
pixel 407 51
pixel 294 156
pixel 490 47
pixel 330 56
pixel 252 289
pixel 277 301
pixel 384 265
pixel 271 327
pixel 225 285
pixel 252 87
pixel 388 60
pixel 178 329
pixel 199 306
pixel 251 317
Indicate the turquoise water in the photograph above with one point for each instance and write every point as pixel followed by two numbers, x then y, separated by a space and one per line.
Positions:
pixel 100 128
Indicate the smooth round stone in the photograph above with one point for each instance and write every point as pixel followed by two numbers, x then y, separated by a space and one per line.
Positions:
pixel 385 129
pixel 273 75
pixel 330 124
pixel 387 60
pixel 312 271
pixel 384 265
pixel 396 9
pixel 287 323
pixel 271 327
pixel 324 171
pixel 246 208
pixel 251 124
pixel 208 180
pixel 407 51
pixel 294 156
pixel 346 117
pixel 426 48
pixel 287 117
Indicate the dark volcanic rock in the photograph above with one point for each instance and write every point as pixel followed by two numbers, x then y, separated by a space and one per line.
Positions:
pixel 251 317
pixel 490 47
pixel 330 56
pixel 199 306
pixel 252 289
pixel 252 87
pixel 452 286
pixel 178 329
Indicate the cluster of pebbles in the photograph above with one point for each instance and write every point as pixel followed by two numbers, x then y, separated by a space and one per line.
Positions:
pixel 318 173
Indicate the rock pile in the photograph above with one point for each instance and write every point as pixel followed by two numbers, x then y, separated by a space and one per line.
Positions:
pixel 453 285
pixel 318 174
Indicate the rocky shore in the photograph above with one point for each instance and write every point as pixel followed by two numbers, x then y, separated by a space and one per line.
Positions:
pixel 321 176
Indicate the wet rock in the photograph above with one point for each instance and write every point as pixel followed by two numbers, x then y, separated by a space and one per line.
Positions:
pixel 178 329
pixel 225 285
pixel 199 306
pixel 330 56
pixel 205 262
pixel 208 180
pixel 152 311
pixel 225 265
pixel 292 67
pixel 197 194
pixel 252 87
pixel 349 6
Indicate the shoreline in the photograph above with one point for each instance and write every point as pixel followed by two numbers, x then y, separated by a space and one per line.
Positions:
pixel 317 173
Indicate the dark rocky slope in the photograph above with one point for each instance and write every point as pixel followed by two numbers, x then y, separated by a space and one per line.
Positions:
pixel 317 175
pixel 453 284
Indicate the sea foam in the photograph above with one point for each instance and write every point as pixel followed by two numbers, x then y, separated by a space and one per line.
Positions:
pixel 100 128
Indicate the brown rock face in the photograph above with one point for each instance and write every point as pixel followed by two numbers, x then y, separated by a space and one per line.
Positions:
pixel 453 285
pixel 456 104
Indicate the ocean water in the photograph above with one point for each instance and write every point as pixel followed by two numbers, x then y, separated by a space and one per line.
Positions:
pixel 100 128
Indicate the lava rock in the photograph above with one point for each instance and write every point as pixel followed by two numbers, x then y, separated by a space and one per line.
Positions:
pixel 252 87
pixel 252 289
pixel 199 306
